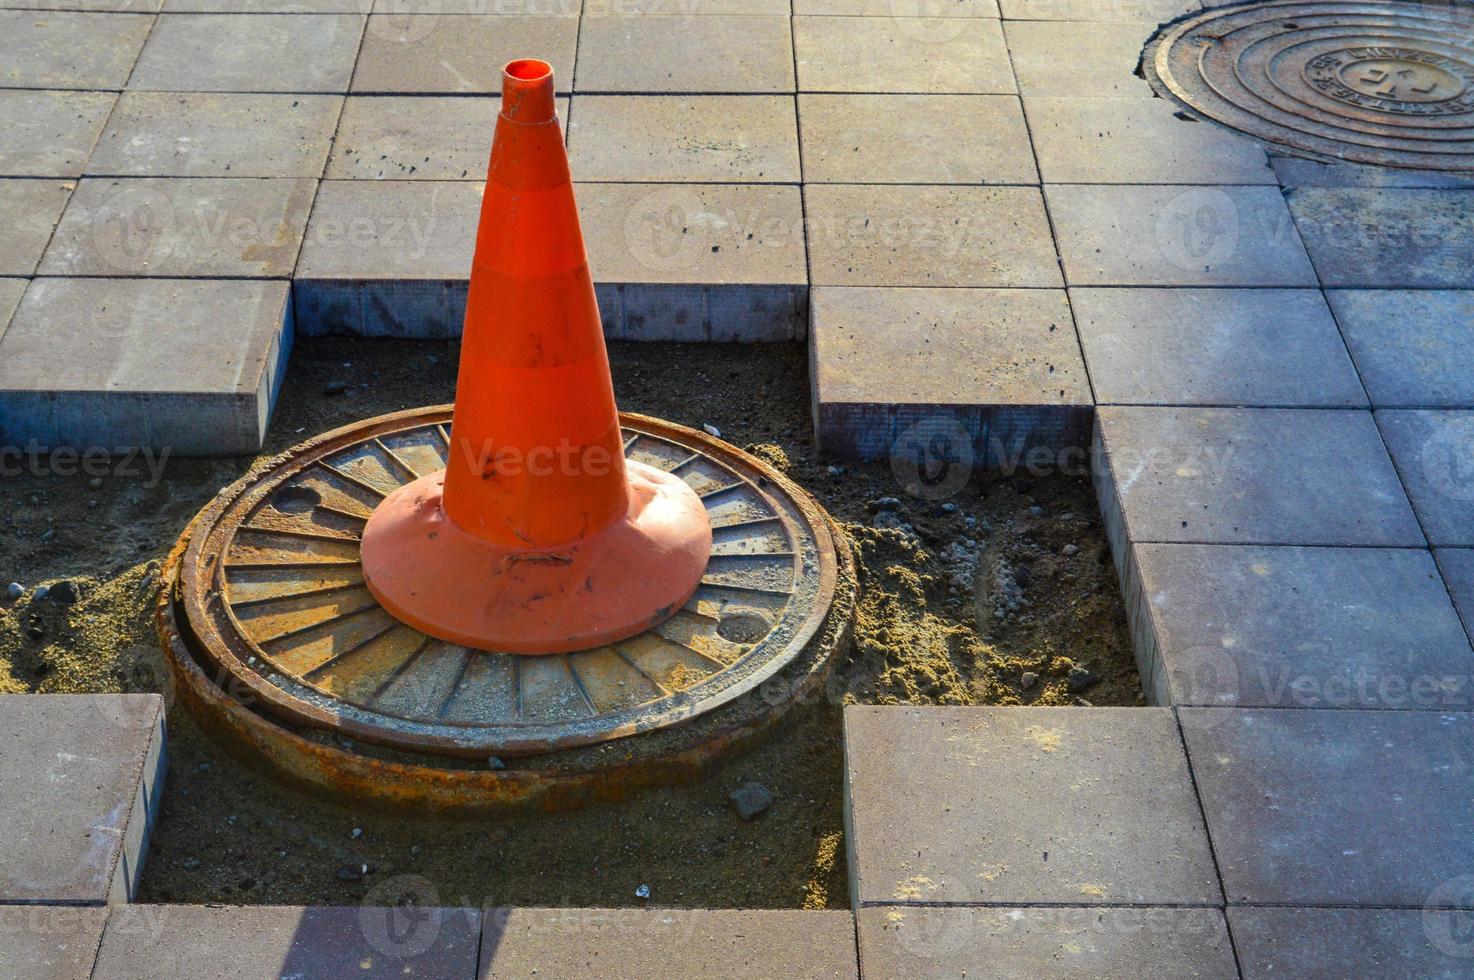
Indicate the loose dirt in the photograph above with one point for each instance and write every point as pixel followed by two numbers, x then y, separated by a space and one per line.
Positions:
pixel 962 600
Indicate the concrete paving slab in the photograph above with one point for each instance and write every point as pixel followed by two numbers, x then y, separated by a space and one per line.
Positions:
pixel 50 942
pixel 1297 172
pixel 462 54
pixel 190 366
pixel 414 138
pixel 202 134
pixel 1077 806
pixel 181 226
pixel 69 50
pixel 1457 565
pixel 11 291
pixel 1249 476
pixel 1262 347
pixel 1148 12
pixel 1002 364
pixel 1396 237
pixel 896 8
pixel 175 942
pixel 29 210
pixel 1302 627
pixel 1177 236
pixel 716 138
pixel 99 6
pixel 271 6
pixel 1078 943
pixel 700 944
pixel 1370 944
pixel 1434 454
pixel 964 55
pixel 1414 348
pixel 49 134
pixel 1137 141
pixel 903 235
pixel 79 790
pixel 711 53
pixel 249 53
pixel 915 139
pixel 1358 808
pixel 1088 59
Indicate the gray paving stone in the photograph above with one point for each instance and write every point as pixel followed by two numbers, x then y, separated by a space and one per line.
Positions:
pixel 1361 808
pixel 409 138
pixel 190 366
pixel 447 8
pixel 666 8
pixel 50 942
pixel 29 210
pixel 1301 627
pixel 1369 944
pixel 98 6
pixel 1414 348
pixel 896 8
pixel 1396 237
pixel 181 226
pixel 1434 454
pixel 1177 236
pixel 249 53
pixel 1080 943
pixel 49 134
pixel 1249 476
pixel 78 793
pixel 748 53
pixel 1022 806
pixel 11 291
pixel 1457 565
pixel 901 235
pixel 1297 172
pixel 69 49
pixel 1002 365
pixel 463 54
pixel 1149 12
pixel 1261 347
pixel 271 6
pixel 198 134
pixel 1137 141
pixel 902 54
pixel 1088 59
pixel 184 942
pixel 716 138
pixel 700 944
pixel 911 139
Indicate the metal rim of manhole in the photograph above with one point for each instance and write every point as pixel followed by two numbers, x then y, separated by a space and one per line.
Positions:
pixel 268 621
pixel 1388 83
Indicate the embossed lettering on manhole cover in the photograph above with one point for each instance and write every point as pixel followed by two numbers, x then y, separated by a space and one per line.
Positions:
pixel 1382 83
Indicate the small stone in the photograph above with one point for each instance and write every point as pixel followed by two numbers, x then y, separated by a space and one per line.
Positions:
pixel 837 471
pixel 643 891
pixel 1081 679
pixel 95 483
pixel 335 388
pixel 356 833
pixel 751 799
pixel 1070 550
pixel 65 593
pixel 1036 511
pixel 495 762
pixel 711 430
pixel 883 503
pixel 14 591
pixel 349 873
pixel 887 519
pixel 1027 680
pixel 190 863
pixel 42 591
pixel 949 508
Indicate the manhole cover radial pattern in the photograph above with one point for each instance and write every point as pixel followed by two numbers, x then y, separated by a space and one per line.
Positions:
pixel 1382 83
pixel 273 594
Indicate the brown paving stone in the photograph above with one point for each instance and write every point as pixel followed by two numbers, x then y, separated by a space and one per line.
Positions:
pixel 714 138
pixel 269 6
pixel 461 54
pixel 897 235
pixel 1137 141
pixel 202 134
pixel 897 8
pixel 932 139
pixel 698 944
pixel 29 210
pixel 1085 59
pixel 1113 235
pixel 1078 942
pixel 414 138
pixel 69 50
pixel 1148 12
pixel 249 53
pixel 888 54
pixel 11 291
pixel 49 134
pixel 686 54
pixel 50 942
pixel 1022 806
pixel 181 226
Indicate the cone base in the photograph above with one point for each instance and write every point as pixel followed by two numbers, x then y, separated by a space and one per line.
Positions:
pixel 429 573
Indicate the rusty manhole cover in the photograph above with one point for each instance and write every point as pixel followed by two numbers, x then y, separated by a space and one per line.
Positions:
pixel 271 611
pixel 1380 83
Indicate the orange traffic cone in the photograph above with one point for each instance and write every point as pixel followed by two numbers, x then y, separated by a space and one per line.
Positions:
pixel 539 537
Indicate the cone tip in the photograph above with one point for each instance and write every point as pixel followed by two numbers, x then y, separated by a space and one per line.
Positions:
pixel 527 90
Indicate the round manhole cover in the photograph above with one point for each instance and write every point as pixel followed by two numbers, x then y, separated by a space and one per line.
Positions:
pixel 1380 83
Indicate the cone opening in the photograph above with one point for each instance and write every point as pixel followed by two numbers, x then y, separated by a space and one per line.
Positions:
pixel 528 69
